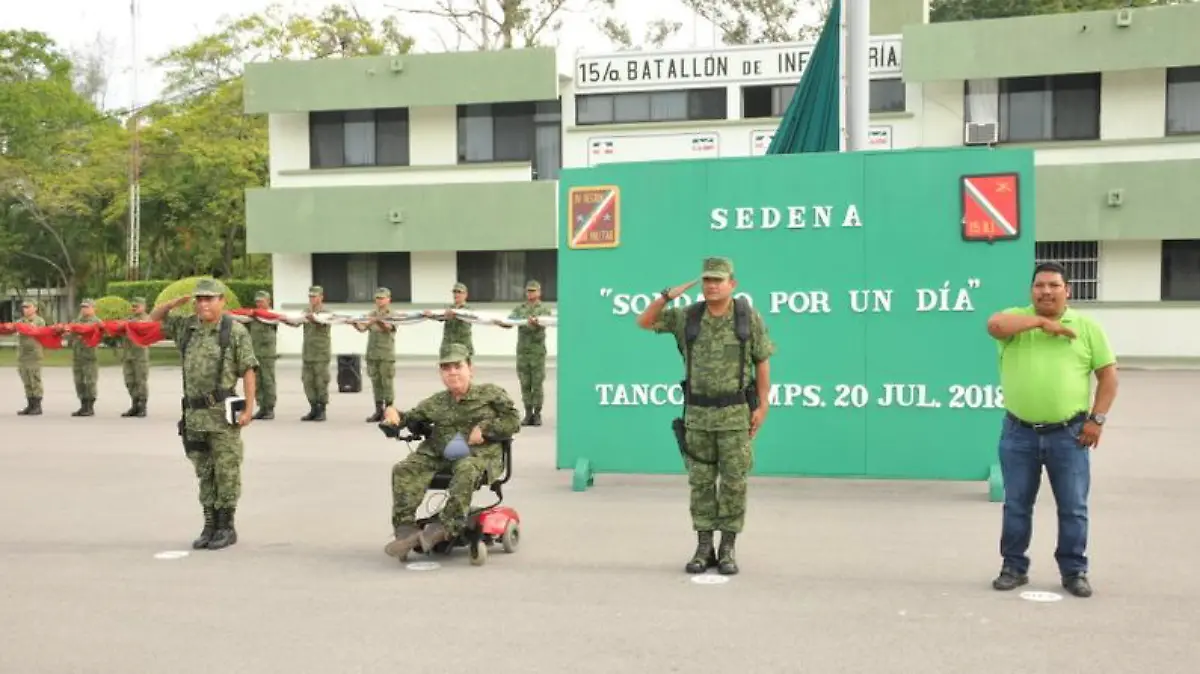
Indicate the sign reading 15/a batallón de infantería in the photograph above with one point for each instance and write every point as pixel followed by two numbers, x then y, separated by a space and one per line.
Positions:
pixel 764 64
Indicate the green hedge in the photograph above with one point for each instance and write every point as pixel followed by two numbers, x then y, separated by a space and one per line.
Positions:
pixel 244 289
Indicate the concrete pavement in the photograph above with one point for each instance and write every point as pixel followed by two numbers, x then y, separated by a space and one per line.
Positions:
pixel 837 576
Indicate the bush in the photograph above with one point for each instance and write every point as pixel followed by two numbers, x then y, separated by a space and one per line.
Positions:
pixel 112 308
pixel 184 287
pixel 243 289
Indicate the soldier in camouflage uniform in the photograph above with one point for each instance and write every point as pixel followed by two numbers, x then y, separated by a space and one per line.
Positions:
pixel 531 352
pixel 263 337
pixel 483 415
pixel 717 432
pixel 381 353
pixel 29 360
pixel 135 365
pixel 316 356
pixel 213 445
pixel 83 363
pixel 455 330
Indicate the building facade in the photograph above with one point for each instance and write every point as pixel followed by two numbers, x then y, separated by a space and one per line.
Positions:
pixel 1110 102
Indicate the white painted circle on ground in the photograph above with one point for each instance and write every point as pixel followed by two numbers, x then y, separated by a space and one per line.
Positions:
pixel 1036 595
pixel 171 554
pixel 423 566
pixel 708 579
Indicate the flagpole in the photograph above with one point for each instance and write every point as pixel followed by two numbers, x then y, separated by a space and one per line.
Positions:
pixel 843 82
pixel 858 51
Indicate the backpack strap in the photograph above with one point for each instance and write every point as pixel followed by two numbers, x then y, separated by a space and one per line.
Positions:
pixel 223 339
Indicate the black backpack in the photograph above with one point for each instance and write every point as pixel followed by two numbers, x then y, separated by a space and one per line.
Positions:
pixel 223 339
pixel 691 331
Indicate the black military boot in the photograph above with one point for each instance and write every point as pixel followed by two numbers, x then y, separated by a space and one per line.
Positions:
pixel 536 418
pixel 319 415
pixel 133 408
pixel 378 416
pixel 528 418
pixel 210 527
pixel 225 534
pixel 726 564
pixel 266 413
pixel 28 406
pixel 141 408
pixel 312 413
pixel 35 407
pixel 85 408
pixel 705 557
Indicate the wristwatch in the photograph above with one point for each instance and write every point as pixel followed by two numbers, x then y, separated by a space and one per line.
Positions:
pixel 666 294
pixel 1097 418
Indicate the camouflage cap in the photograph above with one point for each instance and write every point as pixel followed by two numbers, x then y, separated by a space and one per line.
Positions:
pixel 381 293
pixel 533 285
pixel 262 295
pixel 315 291
pixel 137 300
pixel 454 353
pixel 719 268
pixel 87 303
pixel 459 288
pixel 207 287
pixel 29 303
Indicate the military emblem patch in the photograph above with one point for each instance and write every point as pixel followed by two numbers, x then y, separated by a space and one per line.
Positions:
pixel 594 217
pixel 991 207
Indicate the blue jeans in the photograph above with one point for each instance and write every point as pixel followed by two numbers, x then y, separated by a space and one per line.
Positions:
pixel 1023 452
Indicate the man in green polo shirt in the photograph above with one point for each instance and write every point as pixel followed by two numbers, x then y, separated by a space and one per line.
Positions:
pixel 1048 353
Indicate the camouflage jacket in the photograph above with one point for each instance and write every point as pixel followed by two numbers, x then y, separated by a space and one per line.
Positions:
pixel 318 343
pixel 81 352
pixel 381 339
pixel 262 337
pixel 29 350
pixel 200 366
pixel 131 352
pixel 457 331
pixel 531 339
pixel 715 368
pixel 485 405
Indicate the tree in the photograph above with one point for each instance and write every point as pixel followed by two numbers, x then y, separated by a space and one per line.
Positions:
pixel 92 69
pixel 968 10
pixel 763 21
pixel 506 24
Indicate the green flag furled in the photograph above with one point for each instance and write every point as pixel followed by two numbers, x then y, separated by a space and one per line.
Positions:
pixel 812 122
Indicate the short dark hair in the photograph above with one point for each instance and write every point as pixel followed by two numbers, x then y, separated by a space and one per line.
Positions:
pixel 1050 267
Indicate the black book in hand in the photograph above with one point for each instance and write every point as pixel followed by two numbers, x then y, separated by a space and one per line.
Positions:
pixel 234 406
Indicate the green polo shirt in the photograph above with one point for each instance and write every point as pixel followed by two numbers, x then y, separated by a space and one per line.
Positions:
pixel 1047 378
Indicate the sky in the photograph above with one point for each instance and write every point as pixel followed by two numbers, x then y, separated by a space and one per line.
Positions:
pixel 164 24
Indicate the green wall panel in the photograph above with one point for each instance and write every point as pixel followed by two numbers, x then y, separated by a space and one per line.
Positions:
pixel 889 17
pixel 470 216
pixel 1160 201
pixel 1052 44
pixel 425 79
pixel 836 371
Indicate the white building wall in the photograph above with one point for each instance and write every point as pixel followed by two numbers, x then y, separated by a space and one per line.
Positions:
pixel 433 158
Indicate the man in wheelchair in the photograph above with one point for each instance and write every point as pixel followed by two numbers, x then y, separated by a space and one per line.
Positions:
pixel 462 428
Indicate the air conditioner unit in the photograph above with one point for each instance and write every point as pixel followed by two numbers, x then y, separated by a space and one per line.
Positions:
pixel 981 133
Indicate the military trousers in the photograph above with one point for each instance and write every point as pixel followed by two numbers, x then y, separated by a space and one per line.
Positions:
pixel 411 477
pixel 87 373
pixel 31 378
pixel 219 469
pixel 382 374
pixel 315 377
pixel 718 500
pixel 531 372
pixel 137 378
pixel 264 384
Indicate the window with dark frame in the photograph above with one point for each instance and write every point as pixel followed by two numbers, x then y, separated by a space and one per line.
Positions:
pixel 500 275
pixel 513 132
pixel 1180 270
pixel 344 138
pixel 1044 108
pixel 772 100
pixel 1081 259
pixel 351 278
pixel 1183 101
pixel 652 106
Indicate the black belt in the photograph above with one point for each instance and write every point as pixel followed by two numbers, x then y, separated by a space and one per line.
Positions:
pixel 1051 426
pixel 206 401
pixel 717 401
